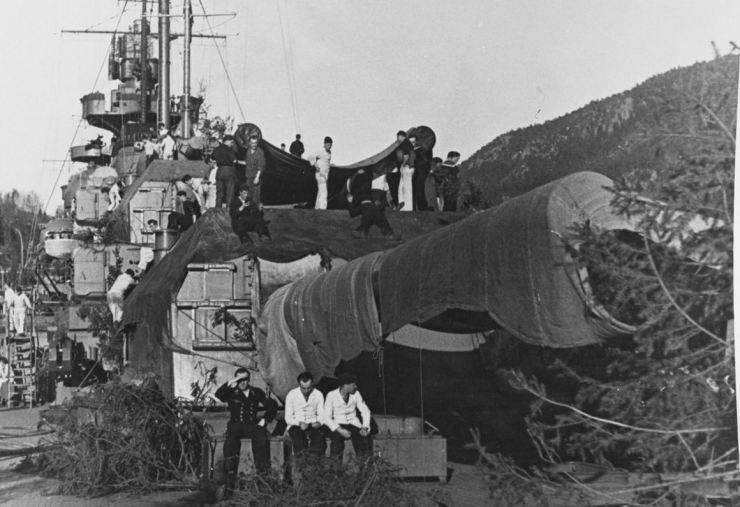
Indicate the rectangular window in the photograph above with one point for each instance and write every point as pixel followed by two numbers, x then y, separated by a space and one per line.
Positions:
pixel 207 332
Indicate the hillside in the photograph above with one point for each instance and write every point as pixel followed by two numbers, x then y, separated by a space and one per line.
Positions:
pixel 647 126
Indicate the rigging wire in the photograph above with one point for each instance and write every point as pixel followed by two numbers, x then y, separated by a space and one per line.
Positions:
pixel 104 21
pixel 288 67
pixel 77 130
pixel 223 63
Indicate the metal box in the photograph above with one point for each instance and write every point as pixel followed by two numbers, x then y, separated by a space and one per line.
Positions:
pixel 207 284
pixel 91 266
pixel 140 231
pixel 91 204
pixel 414 455
pixel 151 195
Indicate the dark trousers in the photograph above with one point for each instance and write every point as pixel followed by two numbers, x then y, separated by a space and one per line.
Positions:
pixel 393 180
pixel 225 185
pixel 179 222
pixel 450 201
pixel 418 183
pixel 373 213
pixel 310 438
pixel 250 223
pixel 254 190
pixel 235 431
pixel 363 445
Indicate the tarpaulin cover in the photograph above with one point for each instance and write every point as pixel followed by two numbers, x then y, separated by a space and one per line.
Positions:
pixel 300 232
pixel 147 307
pixel 333 316
pixel 296 233
pixel 288 179
pixel 280 361
pixel 509 262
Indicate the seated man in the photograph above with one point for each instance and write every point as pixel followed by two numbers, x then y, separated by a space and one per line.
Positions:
pixel 244 401
pixel 340 415
pixel 246 216
pixel 181 221
pixel 303 413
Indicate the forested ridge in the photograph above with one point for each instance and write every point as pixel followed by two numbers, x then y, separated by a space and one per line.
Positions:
pixel 639 128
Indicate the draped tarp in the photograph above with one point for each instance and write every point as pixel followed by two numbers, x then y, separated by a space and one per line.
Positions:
pixel 332 316
pixel 280 361
pixel 509 262
pixel 288 179
pixel 296 234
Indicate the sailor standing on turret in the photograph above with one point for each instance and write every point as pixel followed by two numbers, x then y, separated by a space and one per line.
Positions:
pixel 225 158
pixel 21 305
pixel 255 164
pixel 322 162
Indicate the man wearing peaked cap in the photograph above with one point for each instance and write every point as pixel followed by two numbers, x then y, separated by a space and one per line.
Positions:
pixel 244 402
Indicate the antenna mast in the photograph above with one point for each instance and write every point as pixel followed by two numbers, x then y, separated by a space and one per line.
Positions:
pixel 188 18
pixel 163 96
pixel 144 64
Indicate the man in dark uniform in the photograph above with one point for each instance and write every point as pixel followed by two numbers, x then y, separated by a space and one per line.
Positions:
pixel 244 401
pixel 255 164
pixel 450 187
pixel 225 158
pixel 422 166
pixel 367 197
pixel 296 147
pixel 246 216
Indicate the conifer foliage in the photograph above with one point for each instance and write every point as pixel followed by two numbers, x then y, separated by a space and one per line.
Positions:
pixel 662 400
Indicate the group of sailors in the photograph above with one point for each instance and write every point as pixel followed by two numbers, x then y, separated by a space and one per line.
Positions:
pixel 417 181
pixel 309 419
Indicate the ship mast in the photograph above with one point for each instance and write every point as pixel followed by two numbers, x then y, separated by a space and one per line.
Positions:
pixel 144 65
pixel 188 20
pixel 163 96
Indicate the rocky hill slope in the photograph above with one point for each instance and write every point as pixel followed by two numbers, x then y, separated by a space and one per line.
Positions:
pixel 647 126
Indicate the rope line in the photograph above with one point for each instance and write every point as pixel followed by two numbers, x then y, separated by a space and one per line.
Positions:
pixel 67 155
pixel 288 67
pixel 223 63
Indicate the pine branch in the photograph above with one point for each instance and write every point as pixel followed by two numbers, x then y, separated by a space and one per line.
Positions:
pixel 523 386
pixel 670 297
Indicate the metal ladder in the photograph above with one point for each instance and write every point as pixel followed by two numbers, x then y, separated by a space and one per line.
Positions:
pixel 22 384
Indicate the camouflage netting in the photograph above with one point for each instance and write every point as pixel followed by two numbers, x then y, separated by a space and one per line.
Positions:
pixel 296 234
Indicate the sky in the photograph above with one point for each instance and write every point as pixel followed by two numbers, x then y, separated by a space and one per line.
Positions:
pixel 355 70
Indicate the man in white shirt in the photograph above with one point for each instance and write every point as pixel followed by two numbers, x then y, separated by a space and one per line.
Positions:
pixel 304 406
pixel 21 305
pixel 340 416
pixel 322 162
pixel 116 293
pixel 114 196
pixel 167 144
